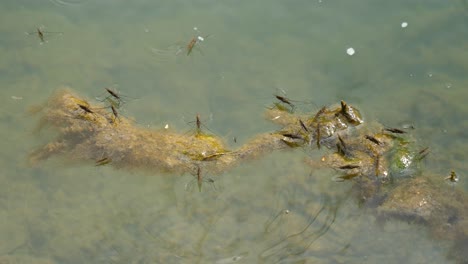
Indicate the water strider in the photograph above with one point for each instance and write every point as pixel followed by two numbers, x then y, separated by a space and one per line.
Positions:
pixel 285 100
pixel 103 161
pixel 114 98
pixel 384 168
pixel 395 130
pixel 303 125
pixel 41 34
pixel 86 109
pixel 194 41
pixel 452 177
pixel 372 139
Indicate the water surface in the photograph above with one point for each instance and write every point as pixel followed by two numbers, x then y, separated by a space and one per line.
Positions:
pixel 62 213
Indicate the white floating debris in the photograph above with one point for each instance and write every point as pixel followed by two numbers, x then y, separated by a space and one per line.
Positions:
pixel 276 117
pixel 350 51
pixel 16 97
pixel 166 126
pixel 195 28
pixel 404 24
pixel 201 38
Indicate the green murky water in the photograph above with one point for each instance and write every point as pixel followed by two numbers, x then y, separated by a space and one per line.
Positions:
pixel 271 210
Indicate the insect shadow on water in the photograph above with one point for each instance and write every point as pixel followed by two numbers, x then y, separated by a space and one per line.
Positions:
pixel 43 35
pixel 199 178
pixel 297 243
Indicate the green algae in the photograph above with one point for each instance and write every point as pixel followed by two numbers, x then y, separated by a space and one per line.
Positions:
pixel 370 157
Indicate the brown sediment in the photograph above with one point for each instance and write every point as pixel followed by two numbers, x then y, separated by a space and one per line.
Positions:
pixel 428 201
pixel 85 136
pixel 91 135
pixel 382 166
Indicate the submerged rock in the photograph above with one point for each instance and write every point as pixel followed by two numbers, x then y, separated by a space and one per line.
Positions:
pixel 382 163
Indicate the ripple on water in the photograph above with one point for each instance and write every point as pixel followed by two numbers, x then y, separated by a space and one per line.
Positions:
pixel 68 2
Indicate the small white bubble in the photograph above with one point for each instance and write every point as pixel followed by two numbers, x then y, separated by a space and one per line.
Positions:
pixel 166 126
pixel 429 74
pixel 350 51
pixel 201 38
pixel 404 24
pixel 448 85
pixel 146 30
pixel 195 28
